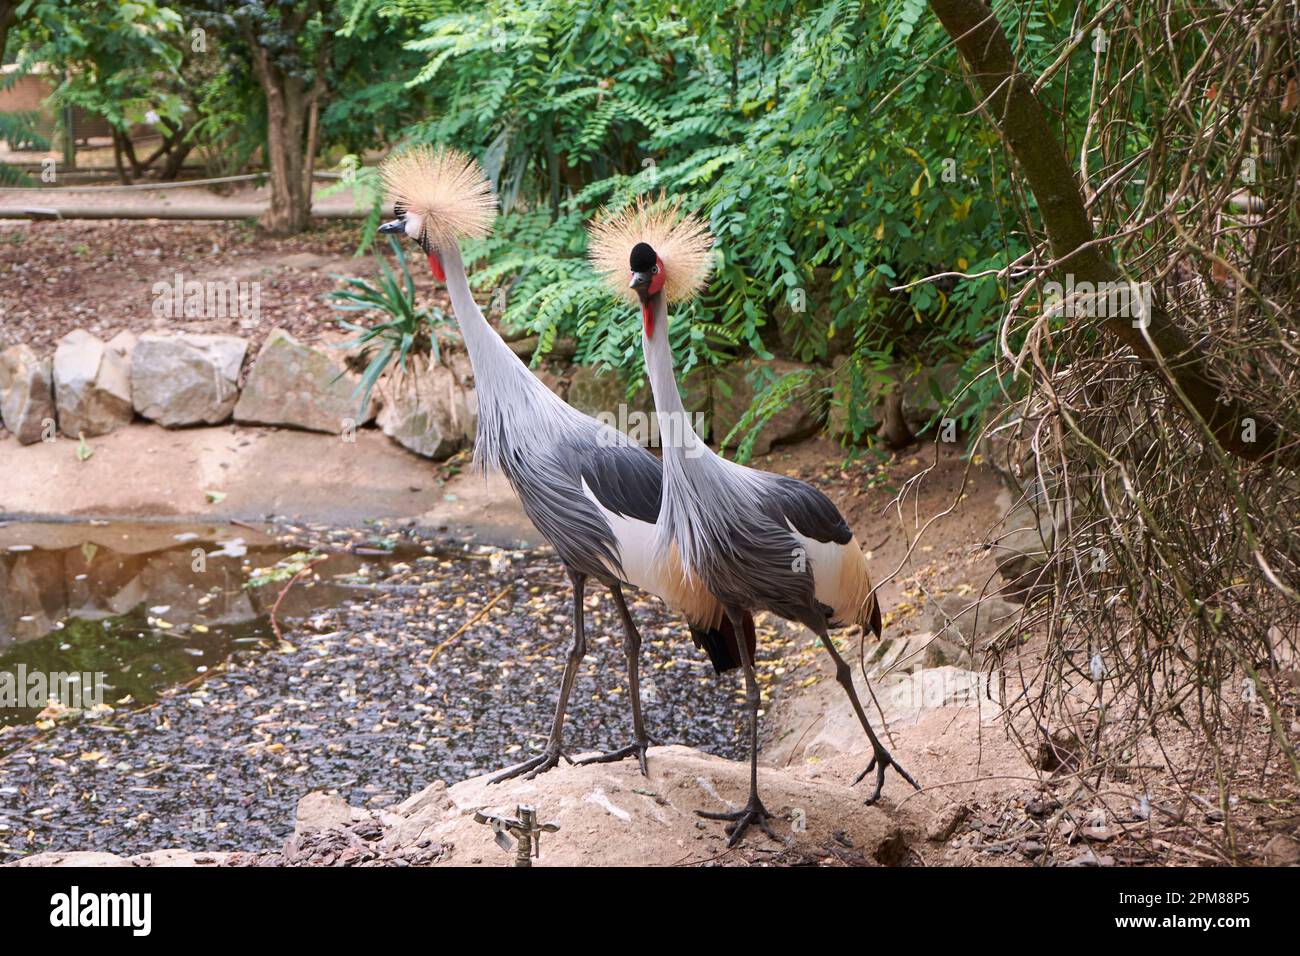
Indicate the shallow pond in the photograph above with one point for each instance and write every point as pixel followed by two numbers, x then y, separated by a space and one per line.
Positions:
pixel 386 678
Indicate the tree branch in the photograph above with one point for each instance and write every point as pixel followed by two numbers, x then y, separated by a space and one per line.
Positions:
pixel 1162 346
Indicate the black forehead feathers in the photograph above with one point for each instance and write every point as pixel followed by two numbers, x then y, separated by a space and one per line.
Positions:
pixel 399 210
pixel 643 258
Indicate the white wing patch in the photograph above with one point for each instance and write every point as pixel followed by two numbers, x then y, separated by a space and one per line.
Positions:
pixel 635 544
pixel 641 569
pixel 839 575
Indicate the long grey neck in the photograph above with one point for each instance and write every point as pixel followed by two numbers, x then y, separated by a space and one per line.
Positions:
pixel 488 353
pixel 514 406
pixel 676 435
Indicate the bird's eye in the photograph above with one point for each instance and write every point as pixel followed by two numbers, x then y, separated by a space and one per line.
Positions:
pixel 655 270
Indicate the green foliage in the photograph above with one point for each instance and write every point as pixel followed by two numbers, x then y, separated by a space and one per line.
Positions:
pixel 830 166
pixel 283 571
pixel 837 165
pixel 773 395
pixel 403 329
pixel 115 58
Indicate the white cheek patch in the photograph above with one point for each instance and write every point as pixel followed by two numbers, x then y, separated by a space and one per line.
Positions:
pixel 414 226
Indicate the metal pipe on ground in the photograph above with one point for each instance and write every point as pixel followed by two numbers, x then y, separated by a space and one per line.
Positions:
pixel 226 212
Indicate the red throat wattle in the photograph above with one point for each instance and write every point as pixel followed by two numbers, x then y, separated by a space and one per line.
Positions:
pixel 435 266
pixel 655 288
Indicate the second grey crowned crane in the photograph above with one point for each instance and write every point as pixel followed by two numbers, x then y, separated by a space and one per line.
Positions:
pixel 755 540
pixel 591 492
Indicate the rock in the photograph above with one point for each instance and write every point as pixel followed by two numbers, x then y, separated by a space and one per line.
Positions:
pixel 124 344
pixel 946 822
pixel 599 391
pixel 1004 446
pixel 901 398
pixel 905 690
pixel 425 409
pixel 1282 850
pixel 26 393
pixel 971 624
pixel 1022 545
pixel 300 386
pixel 724 395
pixel 602 393
pixel 932 688
pixel 524 347
pixel 186 379
pixel 610 815
pixel 321 811
pixel 897 655
pixel 92 384
pixel 1089 858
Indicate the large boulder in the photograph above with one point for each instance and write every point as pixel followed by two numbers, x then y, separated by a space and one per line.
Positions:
pixel 92 384
pixel 902 399
pixel 26 393
pixel 602 393
pixel 975 624
pixel 426 410
pixel 186 379
pixel 1023 544
pixel 300 386
pixel 725 394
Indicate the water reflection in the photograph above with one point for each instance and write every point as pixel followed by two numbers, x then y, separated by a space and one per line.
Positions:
pixel 147 605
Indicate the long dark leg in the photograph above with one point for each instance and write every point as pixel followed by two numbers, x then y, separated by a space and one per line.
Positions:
pixel 754 811
pixel 550 756
pixel 632 650
pixel 880 757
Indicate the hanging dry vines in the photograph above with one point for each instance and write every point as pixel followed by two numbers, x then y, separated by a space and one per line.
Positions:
pixel 1158 447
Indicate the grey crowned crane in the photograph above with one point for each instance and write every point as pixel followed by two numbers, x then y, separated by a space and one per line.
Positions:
pixel 755 540
pixel 591 492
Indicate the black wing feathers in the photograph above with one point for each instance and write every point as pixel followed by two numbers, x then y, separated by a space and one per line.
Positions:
pixel 811 512
pixel 626 479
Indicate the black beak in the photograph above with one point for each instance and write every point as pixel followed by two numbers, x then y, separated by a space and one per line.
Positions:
pixel 640 281
pixel 398 226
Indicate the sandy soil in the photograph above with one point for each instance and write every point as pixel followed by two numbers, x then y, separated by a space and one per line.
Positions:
pixel 240 198
pixel 145 470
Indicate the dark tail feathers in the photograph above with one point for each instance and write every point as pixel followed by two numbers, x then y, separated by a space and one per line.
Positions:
pixel 721 644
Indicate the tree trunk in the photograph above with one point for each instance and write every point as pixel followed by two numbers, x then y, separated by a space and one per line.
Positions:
pixel 8 17
pixel 122 175
pixel 128 149
pixel 313 120
pixel 1029 134
pixel 286 113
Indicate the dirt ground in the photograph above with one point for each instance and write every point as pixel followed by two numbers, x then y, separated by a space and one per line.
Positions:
pixel 250 473
pixel 100 276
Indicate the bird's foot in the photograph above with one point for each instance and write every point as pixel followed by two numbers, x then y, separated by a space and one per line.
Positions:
pixel 612 756
pixel 879 761
pixel 754 812
pixel 544 761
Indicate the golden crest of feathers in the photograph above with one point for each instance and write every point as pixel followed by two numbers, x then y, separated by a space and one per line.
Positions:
pixel 681 239
pixel 445 188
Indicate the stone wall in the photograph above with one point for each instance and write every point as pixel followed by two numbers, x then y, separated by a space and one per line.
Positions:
pixel 89 387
